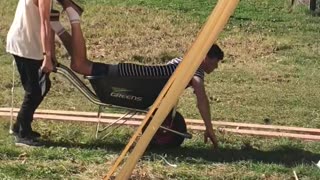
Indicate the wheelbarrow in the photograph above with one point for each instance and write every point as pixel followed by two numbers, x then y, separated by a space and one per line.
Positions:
pixel 133 94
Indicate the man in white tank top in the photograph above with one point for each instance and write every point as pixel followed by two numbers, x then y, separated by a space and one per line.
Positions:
pixel 30 41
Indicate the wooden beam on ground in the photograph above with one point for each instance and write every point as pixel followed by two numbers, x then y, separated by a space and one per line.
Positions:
pixel 253 132
pixel 262 133
pixel 267 132
pixel 85 119
pixel 309 134
pixel 313 131
pixel 273 134
pixel 193 124
pixel 76 113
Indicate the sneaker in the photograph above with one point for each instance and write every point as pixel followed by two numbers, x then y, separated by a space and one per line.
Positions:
pixel 35 134
pixel 75 6
pixel 26 142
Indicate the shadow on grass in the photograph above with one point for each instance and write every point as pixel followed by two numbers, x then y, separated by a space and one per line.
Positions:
pixel 284 155
pixel 112 146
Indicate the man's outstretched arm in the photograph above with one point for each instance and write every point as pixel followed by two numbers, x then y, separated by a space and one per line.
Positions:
pixel 204 108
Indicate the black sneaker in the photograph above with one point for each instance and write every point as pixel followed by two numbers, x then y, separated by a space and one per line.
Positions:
pixel 26 142
pixel 35 135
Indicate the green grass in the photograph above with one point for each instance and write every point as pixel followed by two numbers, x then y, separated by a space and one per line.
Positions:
pixel 271 70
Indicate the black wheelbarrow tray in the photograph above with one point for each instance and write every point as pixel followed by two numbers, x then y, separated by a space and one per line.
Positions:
pixel 135 94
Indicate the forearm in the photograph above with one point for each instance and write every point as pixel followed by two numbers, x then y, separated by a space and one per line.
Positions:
pixel 204 109
pixel 202 102
pixel 46 35
pixel 46 39
pixel 52 45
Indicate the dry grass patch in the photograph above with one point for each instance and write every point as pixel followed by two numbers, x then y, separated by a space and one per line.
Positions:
pixel 242 48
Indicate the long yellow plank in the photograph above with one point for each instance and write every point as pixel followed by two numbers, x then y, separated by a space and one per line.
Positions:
pixel 166 108
pixel 148 116
pixel 183 67
pixel 183 74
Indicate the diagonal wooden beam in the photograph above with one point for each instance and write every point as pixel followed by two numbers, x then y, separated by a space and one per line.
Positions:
pixel 181 77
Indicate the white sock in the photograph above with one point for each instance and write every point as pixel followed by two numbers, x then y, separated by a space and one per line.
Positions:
pixel 73 15
pixel 57 27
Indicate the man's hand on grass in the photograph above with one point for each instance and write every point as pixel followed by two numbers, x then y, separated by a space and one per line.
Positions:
pixel 210 135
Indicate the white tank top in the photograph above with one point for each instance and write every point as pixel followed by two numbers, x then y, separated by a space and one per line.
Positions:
pixel 24 37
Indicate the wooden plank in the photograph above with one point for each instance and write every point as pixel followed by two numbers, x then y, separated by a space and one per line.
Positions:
pixel 261 133
pixel 313 131
pixel 191 127
pixel 182 66
pixel 192 61
pixel 79 119
pixel 75 113
pixel 268 127
pixel 256 126
pixel 273 134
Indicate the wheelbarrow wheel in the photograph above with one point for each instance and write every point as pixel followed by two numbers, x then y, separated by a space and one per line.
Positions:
pixel 168 139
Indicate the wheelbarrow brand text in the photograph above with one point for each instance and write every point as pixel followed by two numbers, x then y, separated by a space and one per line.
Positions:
pixel 125 96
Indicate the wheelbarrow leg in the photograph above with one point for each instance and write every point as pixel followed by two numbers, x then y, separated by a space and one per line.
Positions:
pixel 99 118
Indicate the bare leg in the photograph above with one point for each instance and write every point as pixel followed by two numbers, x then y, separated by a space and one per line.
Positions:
pixel 79 62
pixel 66 38
pixel 63 35
pixel 75 44
pixel 97 69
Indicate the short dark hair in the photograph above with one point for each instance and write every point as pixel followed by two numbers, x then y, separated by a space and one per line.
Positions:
pixel 215 52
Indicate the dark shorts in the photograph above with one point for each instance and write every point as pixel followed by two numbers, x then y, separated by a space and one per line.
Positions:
pixel 101 69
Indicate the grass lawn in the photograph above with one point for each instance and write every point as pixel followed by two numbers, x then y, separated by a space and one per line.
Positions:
pixel 271 70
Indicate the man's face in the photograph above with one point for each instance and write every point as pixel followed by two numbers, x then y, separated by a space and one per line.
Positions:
pixel 209 64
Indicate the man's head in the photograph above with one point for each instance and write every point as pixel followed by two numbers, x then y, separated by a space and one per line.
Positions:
pixel 214 55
